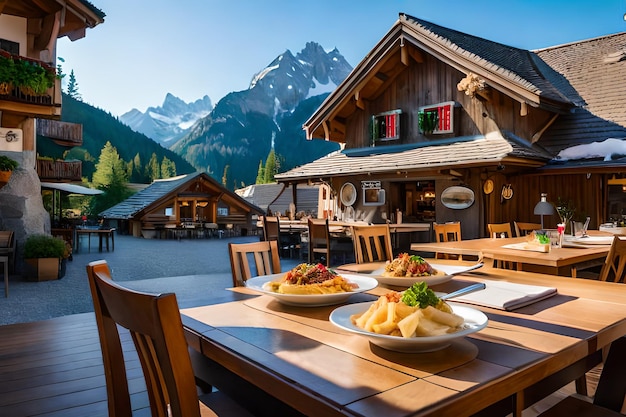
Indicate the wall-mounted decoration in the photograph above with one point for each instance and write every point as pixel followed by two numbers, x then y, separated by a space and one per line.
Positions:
pixel 373 193
pixel 457 197
pixel 11 139
pixel 488 186
pixel 347 194
pixel 436 118
pixel 507 193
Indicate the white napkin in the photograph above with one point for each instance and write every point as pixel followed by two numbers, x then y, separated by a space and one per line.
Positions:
pixel 507 295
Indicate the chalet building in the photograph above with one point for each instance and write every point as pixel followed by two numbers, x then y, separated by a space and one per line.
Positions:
pixel 29 30
pixel 193 205
pixel 431 108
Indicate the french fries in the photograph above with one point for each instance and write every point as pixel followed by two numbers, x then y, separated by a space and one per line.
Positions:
pixel 399 319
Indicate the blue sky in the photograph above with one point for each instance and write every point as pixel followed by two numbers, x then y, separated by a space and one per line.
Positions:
pixel 147 48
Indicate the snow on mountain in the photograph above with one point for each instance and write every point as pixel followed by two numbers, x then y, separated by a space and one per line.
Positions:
pixel 169 122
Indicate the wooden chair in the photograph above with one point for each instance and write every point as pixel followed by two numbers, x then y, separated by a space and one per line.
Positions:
pixel 613 268
pixel 319 241
pixel 157 332
pixel 500 230
pixel 271 231
pixel 266 260
pixel 372 243
pixel 522 229
pixel 322 246
pixel 447 232
pixel 8 245
pixel 610 393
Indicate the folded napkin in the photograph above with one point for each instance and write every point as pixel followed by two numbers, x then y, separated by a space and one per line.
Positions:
pixel 507 295
pixel 528 246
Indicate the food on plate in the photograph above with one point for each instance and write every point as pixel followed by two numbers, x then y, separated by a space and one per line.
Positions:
pixel 309 279
pixel 538 241
pixel 406 265
pixel 416 312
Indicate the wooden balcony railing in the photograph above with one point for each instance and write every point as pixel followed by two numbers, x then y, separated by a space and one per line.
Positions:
pixel 63 133
pixel 49 170
pixel 26 101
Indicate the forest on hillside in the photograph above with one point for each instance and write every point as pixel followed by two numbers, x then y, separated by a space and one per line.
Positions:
pixel 144 157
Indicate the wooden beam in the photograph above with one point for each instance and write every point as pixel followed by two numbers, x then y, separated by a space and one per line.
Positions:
pixel 358 101
pixel 404 55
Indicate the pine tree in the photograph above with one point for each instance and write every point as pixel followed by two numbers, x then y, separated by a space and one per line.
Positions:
pixel 260 176
pixel 72 87
pixel 110 176
pixel 153 170
pixel 168 168
pixel 225 175
pixel 270 167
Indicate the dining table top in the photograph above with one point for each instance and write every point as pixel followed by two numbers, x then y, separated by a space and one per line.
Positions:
pixel 559 260
pixel 298 356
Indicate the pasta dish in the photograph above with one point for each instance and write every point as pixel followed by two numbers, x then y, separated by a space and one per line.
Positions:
pixel 309 279
pixel 405 265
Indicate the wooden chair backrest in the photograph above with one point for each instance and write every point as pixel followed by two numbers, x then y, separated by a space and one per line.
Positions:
pixel 266 260
pixel 155 326
pixel 447 232
pixel 522 229
pixel 499 228
pixel 6 239
pixel 615 263
pixel 319 239
pixel 372 243
pixel 271 228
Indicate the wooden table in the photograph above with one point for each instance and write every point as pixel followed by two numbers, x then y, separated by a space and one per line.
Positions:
pixel 103 235
pixel 297 356
pixel 557 261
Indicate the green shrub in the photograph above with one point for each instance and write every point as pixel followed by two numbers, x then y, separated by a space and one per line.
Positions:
pixel 7 164
pixel 43 246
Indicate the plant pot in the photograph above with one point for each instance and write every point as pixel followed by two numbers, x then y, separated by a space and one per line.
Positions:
pixel 43 269
pixel 5 176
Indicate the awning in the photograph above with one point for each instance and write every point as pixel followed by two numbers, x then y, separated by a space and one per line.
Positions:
pixel 71 188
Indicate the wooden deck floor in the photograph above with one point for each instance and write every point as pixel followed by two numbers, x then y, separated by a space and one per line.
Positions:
pixel 54 368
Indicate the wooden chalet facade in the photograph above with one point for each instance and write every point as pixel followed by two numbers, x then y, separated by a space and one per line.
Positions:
pixel 193 200
pixel 30 104
pixel 505 120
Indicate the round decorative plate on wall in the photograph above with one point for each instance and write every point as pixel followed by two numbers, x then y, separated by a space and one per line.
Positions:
pixel 347 194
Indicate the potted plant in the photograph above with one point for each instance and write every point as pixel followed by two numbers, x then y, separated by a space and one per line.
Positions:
pixel 7 165
pixel 7 74
pixel 44 253
pixel 427 121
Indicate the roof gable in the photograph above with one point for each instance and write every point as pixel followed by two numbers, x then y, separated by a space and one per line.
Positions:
pixel 518 73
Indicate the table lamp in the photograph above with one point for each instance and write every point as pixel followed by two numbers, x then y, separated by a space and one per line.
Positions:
pixel 543 208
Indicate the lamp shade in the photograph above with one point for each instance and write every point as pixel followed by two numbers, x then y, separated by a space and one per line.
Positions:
pixel 543 207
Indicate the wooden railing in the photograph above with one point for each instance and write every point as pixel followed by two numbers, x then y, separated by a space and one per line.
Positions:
pixel 63 133
pixel 49 170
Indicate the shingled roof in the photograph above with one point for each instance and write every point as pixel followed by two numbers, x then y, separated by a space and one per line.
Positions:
pixel 465 151
pixel 521 67
pixel 277 197
pixel 597 69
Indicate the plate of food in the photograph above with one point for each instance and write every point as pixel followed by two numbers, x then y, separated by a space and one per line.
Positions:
pixel 311 285
pixel 405 270
pixel 412 321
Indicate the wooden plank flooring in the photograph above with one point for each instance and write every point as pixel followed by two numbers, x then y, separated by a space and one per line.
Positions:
pixel 54 368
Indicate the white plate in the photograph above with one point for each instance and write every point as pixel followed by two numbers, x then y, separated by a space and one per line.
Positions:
pixel 593 240
pixel 314 300
pixel 450 271
pixel 475 320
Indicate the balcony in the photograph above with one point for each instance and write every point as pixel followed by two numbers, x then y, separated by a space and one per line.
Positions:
pixel 29 87
pixel 62 133
pixel 56 171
